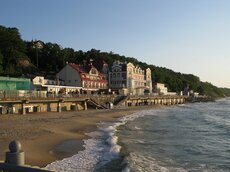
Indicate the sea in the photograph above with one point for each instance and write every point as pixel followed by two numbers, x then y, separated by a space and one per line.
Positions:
pixel 190 137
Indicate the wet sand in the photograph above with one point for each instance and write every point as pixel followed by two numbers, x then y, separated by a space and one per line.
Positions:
pixel 46 137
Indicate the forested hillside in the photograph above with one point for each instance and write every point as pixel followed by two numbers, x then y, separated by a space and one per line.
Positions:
pixel 19 57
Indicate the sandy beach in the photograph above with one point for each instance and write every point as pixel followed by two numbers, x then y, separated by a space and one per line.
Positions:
pixel 46 137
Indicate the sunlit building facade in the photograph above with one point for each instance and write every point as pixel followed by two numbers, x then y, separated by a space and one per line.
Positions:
pixel 87 77
pixel 131 78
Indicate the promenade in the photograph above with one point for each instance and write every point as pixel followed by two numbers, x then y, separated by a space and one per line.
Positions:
pixel 31 104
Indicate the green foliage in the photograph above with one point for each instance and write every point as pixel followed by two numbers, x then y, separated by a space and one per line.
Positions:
pixel 225 91
pixel 12 49
pixel 211 90
pixel 55 58
pixel 1 64
pixel 52 58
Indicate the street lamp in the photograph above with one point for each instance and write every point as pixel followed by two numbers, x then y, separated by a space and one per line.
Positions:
pixel 37 55
pixel 37 45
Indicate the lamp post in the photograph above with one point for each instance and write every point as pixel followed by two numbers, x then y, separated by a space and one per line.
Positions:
pixel 36 54
pixel 37 45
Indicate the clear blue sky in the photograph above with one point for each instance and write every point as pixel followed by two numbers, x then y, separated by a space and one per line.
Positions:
pixel 187 36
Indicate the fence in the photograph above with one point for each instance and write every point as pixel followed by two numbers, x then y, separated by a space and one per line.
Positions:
pixel 31 94
pixel 20 94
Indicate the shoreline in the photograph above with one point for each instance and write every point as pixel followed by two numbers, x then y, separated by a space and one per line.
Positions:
pixel 47 137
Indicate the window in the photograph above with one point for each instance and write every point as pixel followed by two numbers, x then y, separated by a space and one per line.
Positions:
pixel 124 75
pixel 93 71
pixel 130 71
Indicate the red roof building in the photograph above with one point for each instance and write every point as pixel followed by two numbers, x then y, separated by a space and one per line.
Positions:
pixel 87 77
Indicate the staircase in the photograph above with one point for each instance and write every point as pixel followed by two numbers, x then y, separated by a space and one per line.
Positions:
pixel 119 100
pixel 95 104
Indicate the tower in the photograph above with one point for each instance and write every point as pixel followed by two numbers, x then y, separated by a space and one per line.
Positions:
pixel 149 80
pixel 105 69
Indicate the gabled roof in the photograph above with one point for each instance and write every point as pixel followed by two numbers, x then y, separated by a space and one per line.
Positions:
pixel 80 68
pixel 122 65
pixel 83 69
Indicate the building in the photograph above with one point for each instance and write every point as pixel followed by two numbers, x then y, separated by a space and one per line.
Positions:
pixel 161 89
pixel 54 87
pixel 105 70
pixel 148 78
pixel 85 76
pixel 9 83
pixel 40 80
pixel 38 44
pixel 14 87
pixel 126 78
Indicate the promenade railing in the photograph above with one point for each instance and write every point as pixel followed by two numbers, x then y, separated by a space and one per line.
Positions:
pixel 15 160
pixel 31 94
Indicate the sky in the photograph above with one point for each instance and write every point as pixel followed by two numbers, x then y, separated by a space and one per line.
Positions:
pixel 187 36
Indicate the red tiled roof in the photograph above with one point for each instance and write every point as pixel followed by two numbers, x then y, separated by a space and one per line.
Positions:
pixel 86 69
pixel 79 68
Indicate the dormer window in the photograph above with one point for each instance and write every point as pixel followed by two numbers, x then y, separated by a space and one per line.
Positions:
pixel 93 71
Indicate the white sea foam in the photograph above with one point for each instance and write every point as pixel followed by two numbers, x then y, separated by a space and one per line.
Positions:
pixel 83 161
pixel 113 142
pixel 101 148
pixel 137 128
pixel 140 141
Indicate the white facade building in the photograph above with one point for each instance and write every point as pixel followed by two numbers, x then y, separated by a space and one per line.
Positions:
pixel 40 80
pixel 161 89
pixel 53 86
pixel 129 78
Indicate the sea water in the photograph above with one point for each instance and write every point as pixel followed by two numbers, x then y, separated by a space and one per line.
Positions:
pixel 190 137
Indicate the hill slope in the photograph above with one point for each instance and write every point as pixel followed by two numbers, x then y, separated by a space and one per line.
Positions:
pixel 19 57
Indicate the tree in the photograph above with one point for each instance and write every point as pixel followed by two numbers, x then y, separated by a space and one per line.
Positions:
pixel 67 55
pixel 1 64
pixel 14 51
pixel 49 56
pixel 12 48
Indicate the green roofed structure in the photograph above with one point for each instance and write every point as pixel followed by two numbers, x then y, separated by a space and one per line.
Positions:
pixel 8 83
